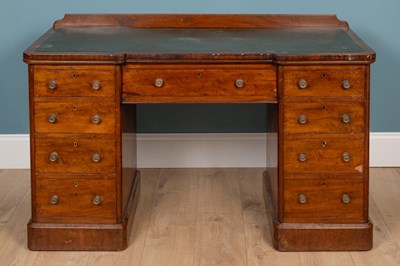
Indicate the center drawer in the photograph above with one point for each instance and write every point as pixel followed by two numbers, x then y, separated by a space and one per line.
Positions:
pixel 216 82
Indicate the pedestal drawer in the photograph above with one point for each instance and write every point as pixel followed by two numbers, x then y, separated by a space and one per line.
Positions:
pixel 315 154
pixel 75 156
pixel 75 200
pixel 330 81
pixel 74 81
pixel 324 200
pixel 78 117
pixel 324 117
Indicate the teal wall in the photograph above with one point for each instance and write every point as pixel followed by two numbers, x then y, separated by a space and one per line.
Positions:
pixel 377 22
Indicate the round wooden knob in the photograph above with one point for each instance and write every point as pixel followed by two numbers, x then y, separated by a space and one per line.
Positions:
pixel 302 84
pixel 302 119
pixel 53 156
pixel 96 85
pixel 159 82
pixel 52 85
pixel 96 119
pixel 54 199
pixel 96 157
pixel 345 118
pixel 239 83
pixel 346 84
pixel 302 157
pixel 302 199
pixel 345 157
pixel 346 198
pixel 97 200
pixel 52 118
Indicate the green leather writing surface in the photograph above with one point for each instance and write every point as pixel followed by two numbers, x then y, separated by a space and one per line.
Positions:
pixel 157 40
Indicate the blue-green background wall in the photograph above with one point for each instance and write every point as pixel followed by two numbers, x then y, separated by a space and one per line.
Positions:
pixel 377 22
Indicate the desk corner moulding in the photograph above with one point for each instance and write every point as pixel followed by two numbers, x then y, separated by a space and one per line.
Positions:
pixel 88 73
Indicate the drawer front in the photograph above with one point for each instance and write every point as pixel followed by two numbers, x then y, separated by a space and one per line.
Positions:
pixel 324 117
pixel 324 200
pixel 75 156
pixel 323 155
pixel 75 200
pixel 324 82
pixel 200 81
pixel 76 117
pixel 79 81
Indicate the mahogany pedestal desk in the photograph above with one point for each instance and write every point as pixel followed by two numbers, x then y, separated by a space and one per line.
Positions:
pixel 87 73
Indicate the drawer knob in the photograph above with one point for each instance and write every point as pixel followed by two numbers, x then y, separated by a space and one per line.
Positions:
pixel 345 118
pixel 346 198
pixel 53 156
pixel 159 82
pixel 345 157
pixel 302 119
pixel 97 200
pixel 52 118
pixel 302 199
pixel 346 84
pixel 302 157
pixel 239 83
pixel 54 199
pixel 96 119
pixel 302 84
pixel 96 85
pixel 96 157
pixel 52 85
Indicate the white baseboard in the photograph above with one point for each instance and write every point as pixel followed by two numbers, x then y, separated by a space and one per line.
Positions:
pixel 14 152
pixel 202 150
pixel 384 149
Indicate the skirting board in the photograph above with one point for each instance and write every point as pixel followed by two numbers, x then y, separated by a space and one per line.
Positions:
pixel 202 150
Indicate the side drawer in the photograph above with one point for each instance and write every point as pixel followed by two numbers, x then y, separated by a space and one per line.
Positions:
pixel 75 200
pixel 330 81
pixel 75 156
pixel 213 81
pixel 324 200
pixel 74 81
pixel 324 117
pixel 79 117
pixel 323 155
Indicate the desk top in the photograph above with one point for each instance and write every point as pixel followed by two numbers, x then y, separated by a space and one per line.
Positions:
pixel 125 38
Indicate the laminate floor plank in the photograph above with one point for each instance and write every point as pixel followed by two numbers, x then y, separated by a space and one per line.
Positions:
pixel 251 191
pixel 219 192
pixel 61 258
pixel 384 188
pixel 13 245
pixel 220 236
pixel 170 237
pixel 14 184
pixel 326 258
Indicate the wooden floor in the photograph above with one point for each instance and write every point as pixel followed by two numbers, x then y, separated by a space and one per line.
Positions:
pixel 200 217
